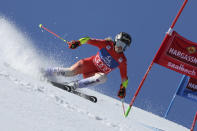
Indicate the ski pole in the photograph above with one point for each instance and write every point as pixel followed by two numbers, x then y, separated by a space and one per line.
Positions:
pixel 41 26
pixel 123 106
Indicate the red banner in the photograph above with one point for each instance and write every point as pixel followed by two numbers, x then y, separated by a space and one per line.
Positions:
pixel 178 54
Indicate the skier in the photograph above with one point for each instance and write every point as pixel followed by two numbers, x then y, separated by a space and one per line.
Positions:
pixel 95 68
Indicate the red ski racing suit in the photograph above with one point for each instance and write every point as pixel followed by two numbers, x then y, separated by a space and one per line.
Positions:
pixel 104 61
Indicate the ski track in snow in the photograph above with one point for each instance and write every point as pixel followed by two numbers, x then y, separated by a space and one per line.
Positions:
pixel 28 86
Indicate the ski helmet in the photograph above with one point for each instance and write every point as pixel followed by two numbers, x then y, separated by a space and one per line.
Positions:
pixel 121 38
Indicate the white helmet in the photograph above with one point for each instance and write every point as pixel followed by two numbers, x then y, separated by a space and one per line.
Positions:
pixel 123 39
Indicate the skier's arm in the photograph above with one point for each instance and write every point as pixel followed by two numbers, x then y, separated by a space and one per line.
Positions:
pixel 76 43
pixel 124 81
pixel 100 43
pixel 95 42
pixel 84 40
pixel 123 73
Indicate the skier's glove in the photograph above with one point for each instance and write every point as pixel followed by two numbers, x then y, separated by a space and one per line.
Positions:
pixel 122 92
pixel 74 44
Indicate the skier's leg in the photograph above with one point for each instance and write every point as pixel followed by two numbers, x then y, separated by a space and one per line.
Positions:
pixel 75 69
pixel 82 66
pixel 97 79
pixel 58 71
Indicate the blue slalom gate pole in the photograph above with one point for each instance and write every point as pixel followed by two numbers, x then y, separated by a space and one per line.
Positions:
pixel 182 83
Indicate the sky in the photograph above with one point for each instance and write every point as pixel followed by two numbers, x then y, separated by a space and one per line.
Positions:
pixel 146 21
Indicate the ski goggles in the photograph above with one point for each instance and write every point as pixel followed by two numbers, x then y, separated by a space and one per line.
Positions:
pixel 119 43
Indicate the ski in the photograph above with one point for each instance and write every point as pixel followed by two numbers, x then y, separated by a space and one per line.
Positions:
pixel 70 89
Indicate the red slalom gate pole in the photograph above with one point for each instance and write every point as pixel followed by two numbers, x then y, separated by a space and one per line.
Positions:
pixel 149 68
pixel 138 90
pixel 179 13
pixel 194 122
pixel 144 78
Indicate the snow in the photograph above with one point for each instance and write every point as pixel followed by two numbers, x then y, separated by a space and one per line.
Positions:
pixel 26 103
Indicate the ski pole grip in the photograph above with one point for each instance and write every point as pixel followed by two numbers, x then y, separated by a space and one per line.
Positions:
pixel 127 112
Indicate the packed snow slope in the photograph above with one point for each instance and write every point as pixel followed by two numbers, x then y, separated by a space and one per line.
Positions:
pixel 26 103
